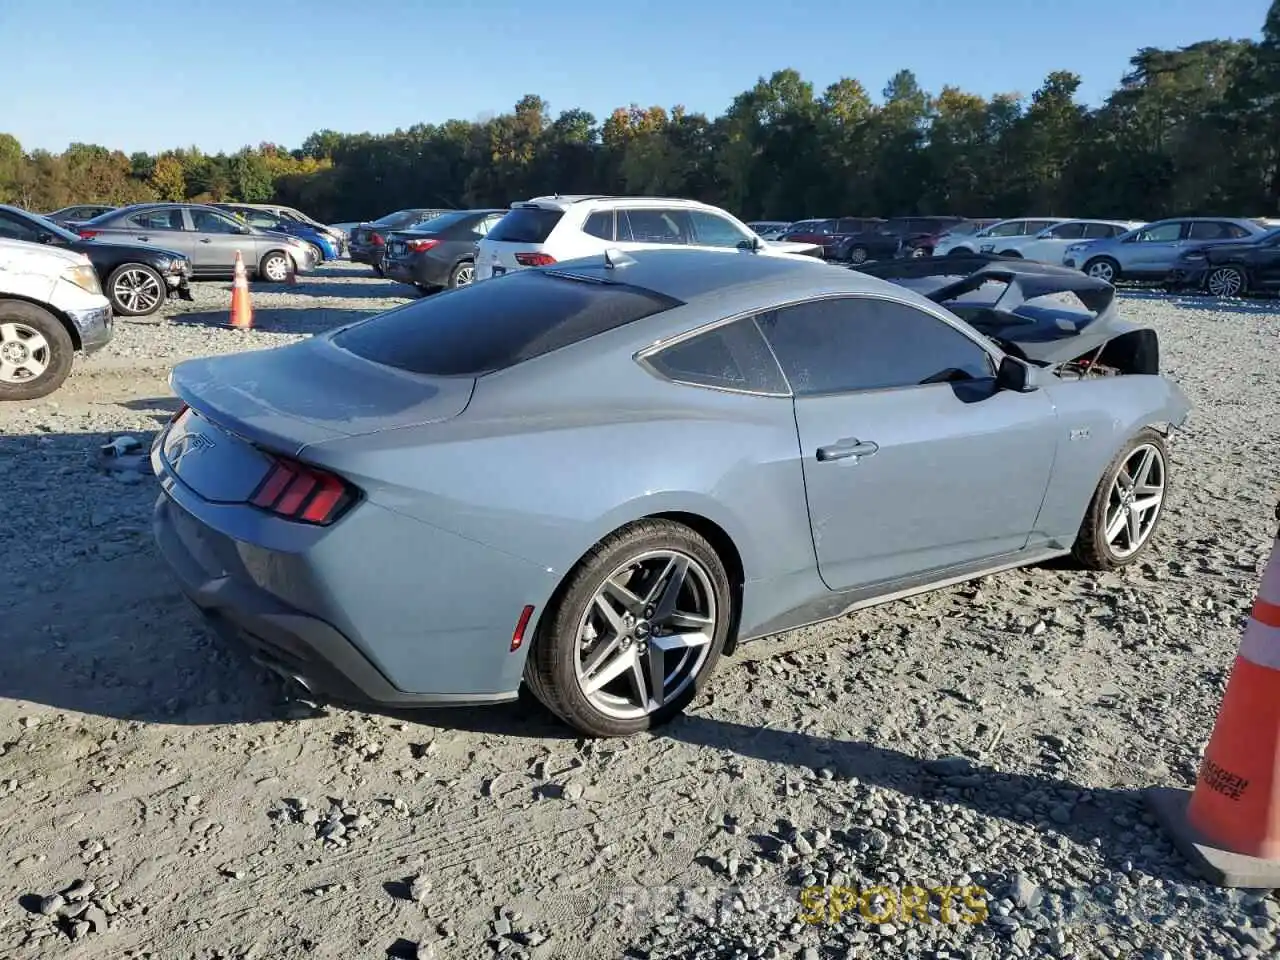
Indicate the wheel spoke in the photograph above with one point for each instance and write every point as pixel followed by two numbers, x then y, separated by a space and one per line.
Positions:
pixel 673 642
pixel 666 592
pixel 630 602
pixel 1143 474
pixel 688 621
pixel 1147 503
pixel 622 661
pixel 1134 526
pixel 8 371
pixel 8 332
pixel 657 663
pixel 1116 524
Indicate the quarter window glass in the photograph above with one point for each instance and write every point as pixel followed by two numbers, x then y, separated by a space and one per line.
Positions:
pixel 863 343
pixel 1068 231
pixel 1007 230
pixel 13 230
pixel 1094 231
pixel 654 226
pixel 733 356
pixel 600 224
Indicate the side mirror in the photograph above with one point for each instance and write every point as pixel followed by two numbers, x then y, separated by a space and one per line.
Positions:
pixel 1014 375
pixel 44 238
pixel 243 230
pixel 752 244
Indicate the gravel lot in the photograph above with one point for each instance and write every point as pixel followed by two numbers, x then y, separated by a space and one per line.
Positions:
pixel 990 735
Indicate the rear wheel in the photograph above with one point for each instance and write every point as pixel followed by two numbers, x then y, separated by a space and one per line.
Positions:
pixel 1010 253
pixel 1225 282
pixel 858 254
pixel 135 290
pixel 36 351
pixel 317 254
pixel 463 274
pixel 635 631
pixel 1126 506
pixel 959 252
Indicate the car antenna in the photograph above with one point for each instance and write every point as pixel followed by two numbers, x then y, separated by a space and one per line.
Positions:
pixel 613 258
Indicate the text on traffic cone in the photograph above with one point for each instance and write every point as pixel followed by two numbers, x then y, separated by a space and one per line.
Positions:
pixel 241 308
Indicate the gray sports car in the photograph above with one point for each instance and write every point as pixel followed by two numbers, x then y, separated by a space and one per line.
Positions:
pixel 597 478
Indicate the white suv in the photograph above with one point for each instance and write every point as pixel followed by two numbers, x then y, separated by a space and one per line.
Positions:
pixel 547 230
pixel 50 306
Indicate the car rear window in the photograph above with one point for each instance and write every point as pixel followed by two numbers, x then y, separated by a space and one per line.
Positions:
pixel 525 225
pixel 497 323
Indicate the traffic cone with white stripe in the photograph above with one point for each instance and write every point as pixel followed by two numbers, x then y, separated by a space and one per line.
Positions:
pixel 1229 826
pixel 241 308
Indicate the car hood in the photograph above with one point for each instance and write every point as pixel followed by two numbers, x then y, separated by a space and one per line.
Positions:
pixel 20 256
pixel 792 246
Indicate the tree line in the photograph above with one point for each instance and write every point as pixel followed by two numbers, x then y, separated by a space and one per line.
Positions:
pixel 1194 130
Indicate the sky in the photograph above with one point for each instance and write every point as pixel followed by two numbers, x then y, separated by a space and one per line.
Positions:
pixel 150 75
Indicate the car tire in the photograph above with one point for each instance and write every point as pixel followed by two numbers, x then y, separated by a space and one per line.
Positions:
pixel 463 274
pixel 274 267
pixel 858 255
pixel 317 253
pixel 1102 268
pixel 27 332
pixel 919 253
pixel 145 284
pixel 1010 253
pixel 575 628
pixel 377 270
pixel 1109 511
pixel 959 252
pixel 1228 281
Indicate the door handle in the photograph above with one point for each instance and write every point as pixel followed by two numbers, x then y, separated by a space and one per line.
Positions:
pixel 205 240
pixel 848 447
pixel 143 238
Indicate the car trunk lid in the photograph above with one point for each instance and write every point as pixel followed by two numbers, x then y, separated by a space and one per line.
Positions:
pixel 248 405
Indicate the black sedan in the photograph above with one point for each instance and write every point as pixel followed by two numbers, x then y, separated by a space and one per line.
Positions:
pixel 440 252
pixel 1229 268
pixel 369 240
pixel 136 279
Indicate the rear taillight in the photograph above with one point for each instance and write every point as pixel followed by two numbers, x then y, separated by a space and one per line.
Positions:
pixel 296 491
pixel 376 239
pixel 88 234
pixel 535 259
pixel 417 246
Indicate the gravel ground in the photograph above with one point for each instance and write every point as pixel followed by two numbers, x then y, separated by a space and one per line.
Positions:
pixel 992 735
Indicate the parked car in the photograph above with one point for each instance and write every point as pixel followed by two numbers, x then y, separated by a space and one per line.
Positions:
pixel 440 252
pixel 832 234
pixel 209 236
pixel 1050 245
pixel 1229 268
pixel 136 278
pixel 368 240
pixel 297 216
pixel 958 233
pixel 323 245
pixel 1150 252
pixel 898 237
pixel 73 216
pixel 51 305
pixel 381 551
pixel 770 229
pixel 995 237
pixel 546 230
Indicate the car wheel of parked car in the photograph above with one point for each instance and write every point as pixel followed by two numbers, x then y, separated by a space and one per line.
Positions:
pixel 1226 282
pixel 317 254
pixel 918 253
pixel 274 267
pixel 135 290
pixel 1127 505
pixel 35 351
pixel 959 252
pixel 1010 253
pixel 1103 268
pixel 634 631
pixel 858 254
pixel 462 274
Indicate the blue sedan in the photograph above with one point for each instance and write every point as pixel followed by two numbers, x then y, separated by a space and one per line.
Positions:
pixel 325 247
pixel 596 478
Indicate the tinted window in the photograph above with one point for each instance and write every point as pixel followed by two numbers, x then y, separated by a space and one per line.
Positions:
pixel 1094 231
pixel 711 230
pixel 654 226
pixel 401 218
pixel 1210 230
pixel 734 356
pixel 206 221
pixel 600 224
pixel 1165 233
pixel 157 220
pixel 1035 226
pixel 498 323
pixel 13 229
pixel 484 226
pixel 442 222
pixel 526 225
pixel 1068 231
pixel 1238 232
pixel 862 343
pixel 1012 229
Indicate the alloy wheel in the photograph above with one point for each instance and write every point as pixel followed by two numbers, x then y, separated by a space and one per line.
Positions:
pixel 1133 505
pixel 464 275
pixel 858 255
pixel 24 353
pixel 1225 282
pixel 276 268
pixel 137 291
pixel 646 634
pixel 1102 270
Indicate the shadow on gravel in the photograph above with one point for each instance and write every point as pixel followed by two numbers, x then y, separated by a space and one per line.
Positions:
pixel 276 319
pixel 1087 816
pixel 1194 301
pixel 381 290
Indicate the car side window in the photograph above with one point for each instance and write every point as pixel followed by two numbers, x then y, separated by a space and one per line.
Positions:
pixel 654 226
pixel 1209 230
pixel 156 220
pixel 732 356
pixel 258 218
pixel 848 344
pixel 1165 233
pixel 482 228
pixel 1067 231
pixel 12 229
pixel 599 224
pixel 1099 231
pixel 711 230
pixel 206 221
pixel 1013 229
pixel 1237 232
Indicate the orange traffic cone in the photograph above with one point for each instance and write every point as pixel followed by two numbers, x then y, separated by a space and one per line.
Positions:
pixel 291 277
pixel 241 308
pixel 1229 827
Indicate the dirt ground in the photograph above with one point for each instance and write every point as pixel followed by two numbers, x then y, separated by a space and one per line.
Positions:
pixel 993 734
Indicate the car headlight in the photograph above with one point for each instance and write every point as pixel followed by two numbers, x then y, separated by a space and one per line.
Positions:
pixel 83 276
pixel 163 264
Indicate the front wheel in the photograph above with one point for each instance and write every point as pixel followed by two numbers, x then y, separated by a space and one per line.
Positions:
pixel 317 253
pixel 959 252
pixel 918 253
pixel 1126 505
pixel 135 290
pixel 1103 268
pixel 274 267
pixel 1010 253
pixel 636 630
pixel 35 351
pixel 1225 282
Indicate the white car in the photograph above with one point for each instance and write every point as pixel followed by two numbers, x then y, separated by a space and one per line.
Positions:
pixel 988 240
pixel 547 230
pixel 51 305
pixel 1050 245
